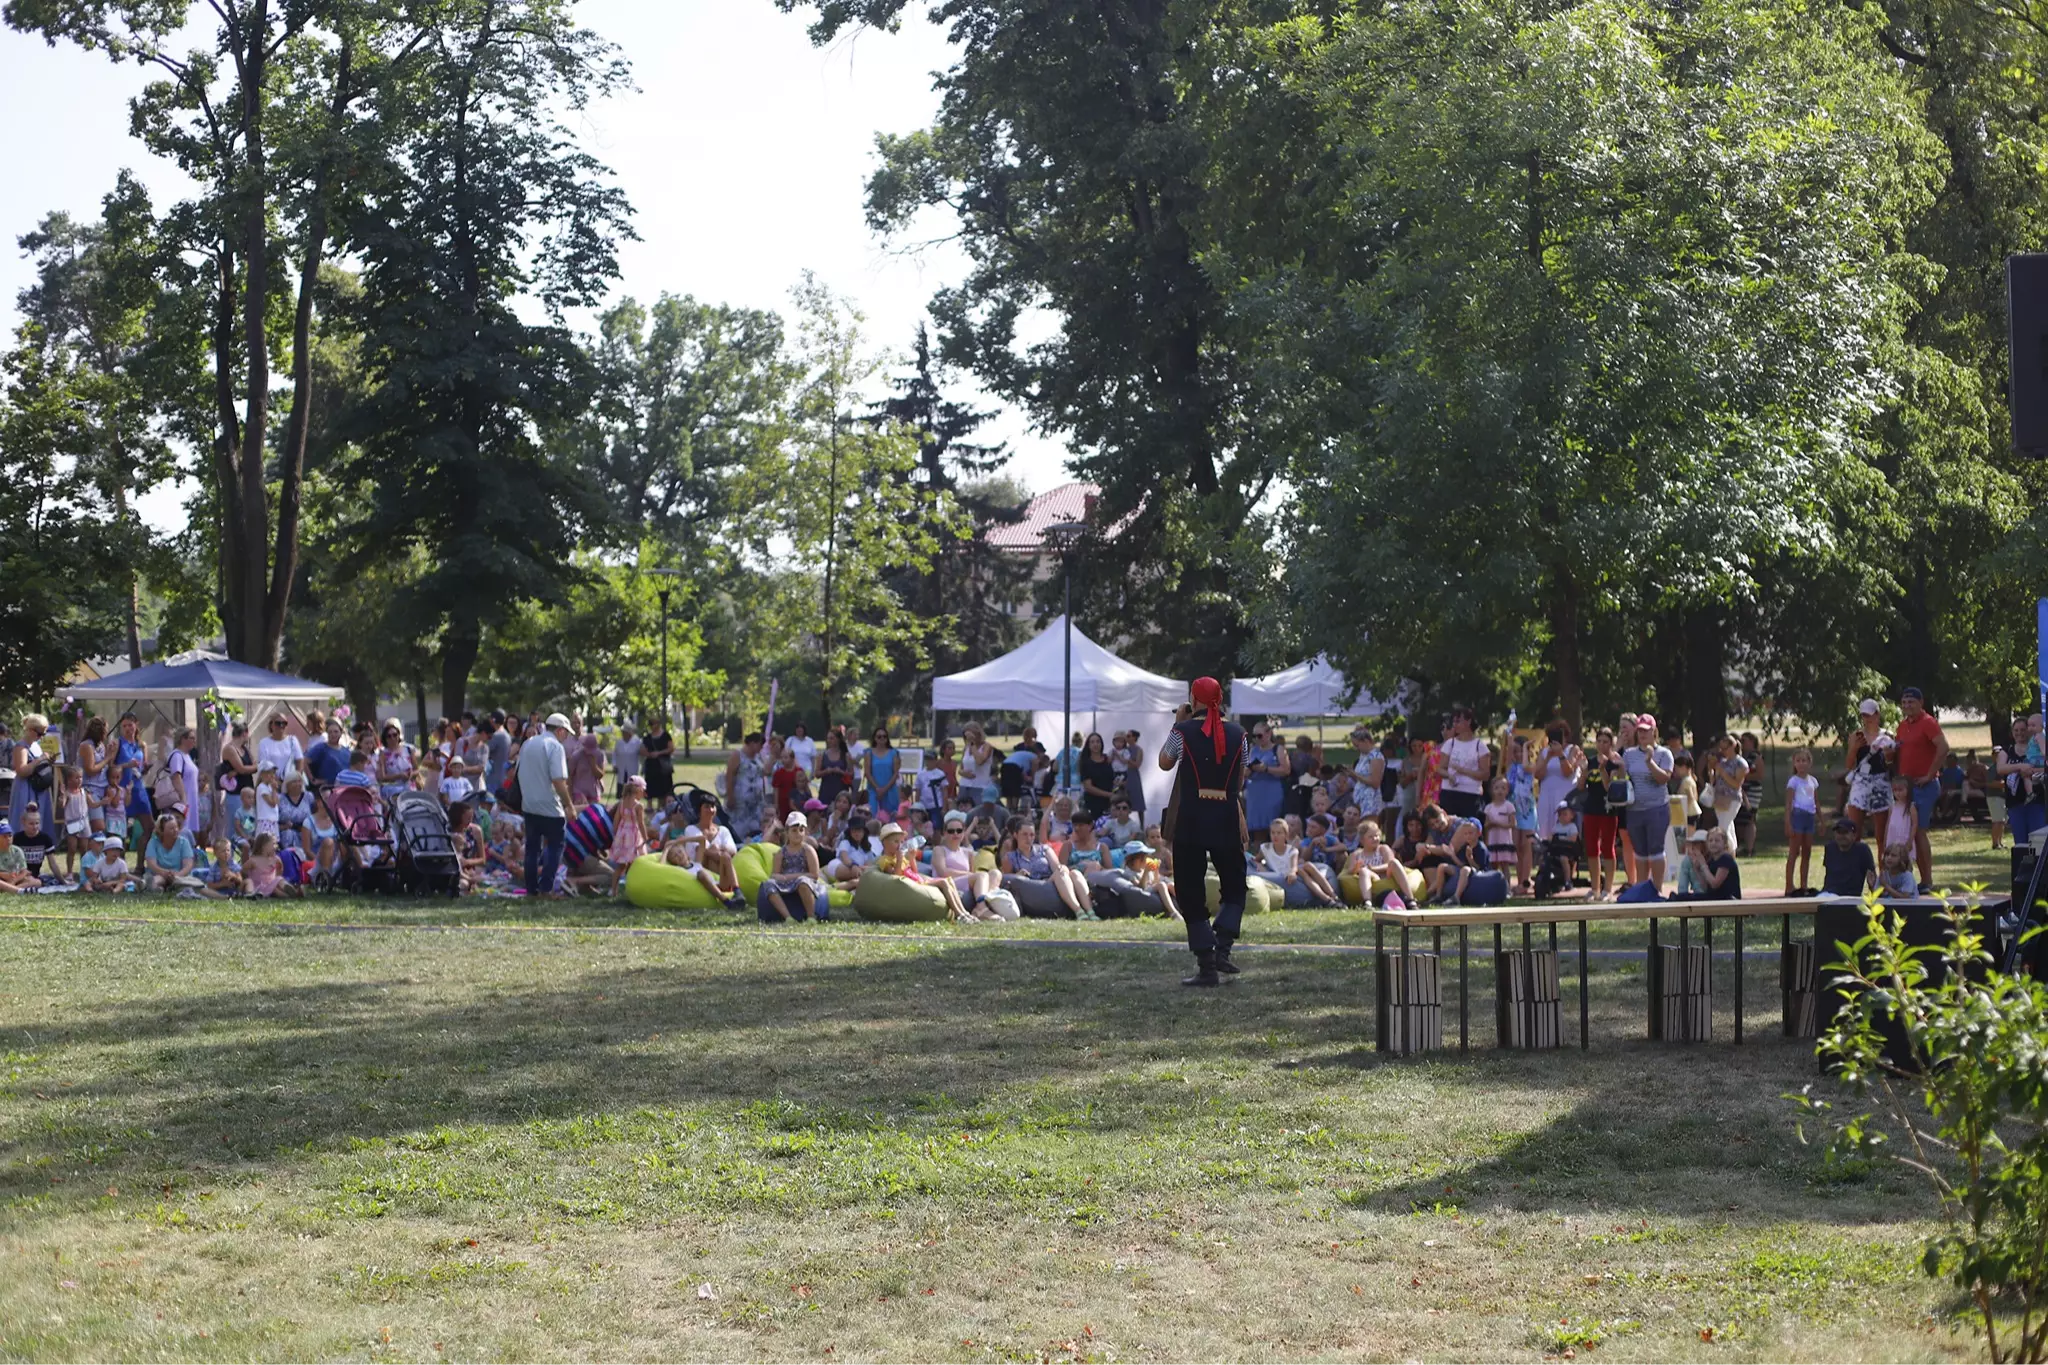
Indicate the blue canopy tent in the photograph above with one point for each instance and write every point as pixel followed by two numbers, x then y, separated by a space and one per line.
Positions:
pixel 258 691
pixel 225 678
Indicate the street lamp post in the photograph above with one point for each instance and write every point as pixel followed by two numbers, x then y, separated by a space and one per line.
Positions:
pixel 1064 535
pixel 663 591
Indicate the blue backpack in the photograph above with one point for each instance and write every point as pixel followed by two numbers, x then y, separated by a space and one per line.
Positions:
pixel 1640 893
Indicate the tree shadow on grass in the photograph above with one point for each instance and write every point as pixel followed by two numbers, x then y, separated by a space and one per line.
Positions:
pixel 869 1034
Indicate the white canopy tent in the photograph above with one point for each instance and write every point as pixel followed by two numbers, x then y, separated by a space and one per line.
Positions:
pixel 1109 694
pixel 1310 688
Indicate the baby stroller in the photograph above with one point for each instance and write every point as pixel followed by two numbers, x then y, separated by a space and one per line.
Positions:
pixel 369 858
pixel 427 861
pixel 1554 877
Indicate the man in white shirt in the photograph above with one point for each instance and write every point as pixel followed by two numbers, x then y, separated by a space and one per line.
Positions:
pixel 543 772
pixel 1467 767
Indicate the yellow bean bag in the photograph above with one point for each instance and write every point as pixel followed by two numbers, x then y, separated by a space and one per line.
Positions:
pixel 985 860
pixel 652 884
pixel 897 900
pixel 1259 895
pixel 1353 894
pixel 753 865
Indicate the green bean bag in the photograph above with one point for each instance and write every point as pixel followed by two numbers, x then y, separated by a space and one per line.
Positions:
pixel 652 884
pixel 755 863
pixel 896 900
pixel 1259 895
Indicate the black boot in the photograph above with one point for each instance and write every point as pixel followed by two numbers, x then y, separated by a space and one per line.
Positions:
pixel 1223 963
pixel 1205 972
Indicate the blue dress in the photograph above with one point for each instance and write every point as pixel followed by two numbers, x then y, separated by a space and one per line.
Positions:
pixel 883 796
pixel 19 803
pixel 131 753
pixel 1265 794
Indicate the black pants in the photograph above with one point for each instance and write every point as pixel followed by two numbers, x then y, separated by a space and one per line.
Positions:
pixel 1462 805
pixel 543 852
pixel 1192 854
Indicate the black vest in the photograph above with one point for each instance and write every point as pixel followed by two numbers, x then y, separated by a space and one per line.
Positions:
pixel 1216 813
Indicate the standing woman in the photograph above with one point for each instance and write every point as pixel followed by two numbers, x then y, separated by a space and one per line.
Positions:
pixel 1557 776
pixel 35 776
pixel 658 764
pixel 94 761
pixel 1098 778
pixel 234 774
pixel 835 767
pixel 1265 782
pixel 1134 775
pixel 1208 759
pixel 1306 758
pixel 395 762
pixel 130 759
pixel 586 771
pixel 1869 764
pixel 977 765
pixel 879 770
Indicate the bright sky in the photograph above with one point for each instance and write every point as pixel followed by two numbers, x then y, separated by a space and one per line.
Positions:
pixel 744 154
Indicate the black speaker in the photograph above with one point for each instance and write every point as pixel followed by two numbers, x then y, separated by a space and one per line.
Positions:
pixel 2026 311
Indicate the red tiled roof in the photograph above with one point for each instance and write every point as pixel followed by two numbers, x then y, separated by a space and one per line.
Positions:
pixel 1068 502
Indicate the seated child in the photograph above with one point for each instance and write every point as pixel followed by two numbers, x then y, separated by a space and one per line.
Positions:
pixel 264 871
pixel 898 861
pixel 1898 881
pixel 1141 866
pixel 14 873
pixel 470 849
pixel 36 845
pixel 507 848
pixel 1323 847
pixel 323 842
pixel 1378 871
pixel 108 869
pixel 220 877
pixel 357 774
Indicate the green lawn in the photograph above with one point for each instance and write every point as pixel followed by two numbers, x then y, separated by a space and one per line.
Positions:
pixel 281 1141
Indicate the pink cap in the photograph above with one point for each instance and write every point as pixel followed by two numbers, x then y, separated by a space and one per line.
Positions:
pixel 1647 719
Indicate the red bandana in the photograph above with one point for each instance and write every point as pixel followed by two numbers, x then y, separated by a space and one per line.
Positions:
pixel 1209 693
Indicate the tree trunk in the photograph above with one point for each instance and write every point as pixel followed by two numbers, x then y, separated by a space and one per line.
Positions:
pixel 1564 651
pixel 292 459
pixel 134 613
pixel 251 572
pixel 234 610
pixel 831 556
pixel 419 699
pixel 362 696
pixel 1706 684
pixel 458 656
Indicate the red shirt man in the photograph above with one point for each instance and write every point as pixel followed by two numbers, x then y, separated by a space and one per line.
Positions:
pixel 1922 745
pixel 1921 752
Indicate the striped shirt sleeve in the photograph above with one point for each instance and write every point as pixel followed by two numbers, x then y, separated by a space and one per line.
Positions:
pixel 1174 750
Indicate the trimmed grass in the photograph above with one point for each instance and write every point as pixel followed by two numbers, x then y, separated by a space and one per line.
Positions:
pixel 285 1142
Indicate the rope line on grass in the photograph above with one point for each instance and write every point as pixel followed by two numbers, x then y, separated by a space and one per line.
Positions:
pixel 658 931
